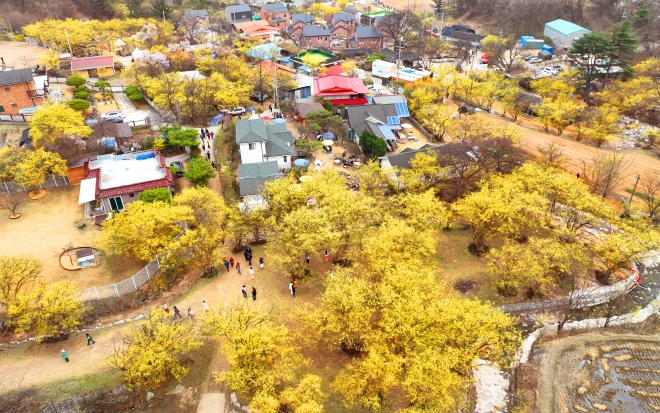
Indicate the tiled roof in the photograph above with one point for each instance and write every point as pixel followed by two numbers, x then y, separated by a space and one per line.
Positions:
pixel 305 108
pixel 403 158
pixel 300 17
pixel 314 30
pixel 250 130
pixel 111 130
pixel 12 77
pixel 238 8
pixel 189 14
pixel 337 17
pixel 338 85
pixel 276 7
pixel 253 176
pixel 363 32
pixel 94 62
pixel 121 190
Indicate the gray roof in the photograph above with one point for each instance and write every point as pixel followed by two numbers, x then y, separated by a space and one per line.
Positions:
pixel 279 19
pixel 347 17
pixel 363 32
pixel 350 9
pixel 276 7
pixel 393 56
pixel 357 117
pixel 305 108
pixel 300 17
pixel 277 137
pixel 238 8
pixel 403 158
pixel 195 13
pixel 314 30
pixel 384 99
pixel 252 176
pixel 12 77
pixel 107 129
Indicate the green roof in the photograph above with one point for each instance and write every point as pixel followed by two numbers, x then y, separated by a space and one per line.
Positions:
pixel 564 27
pixel 378 13
pixel 315 52
pixel 253 176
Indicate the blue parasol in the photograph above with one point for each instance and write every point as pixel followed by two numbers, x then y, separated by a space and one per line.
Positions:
pixel 301 162
pixel 328 135
pixel 279 120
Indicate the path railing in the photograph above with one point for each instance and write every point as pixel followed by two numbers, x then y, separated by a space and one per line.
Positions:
pixel 123 287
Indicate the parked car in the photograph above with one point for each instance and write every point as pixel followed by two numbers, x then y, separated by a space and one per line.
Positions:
pixel 258 97
pixel 534 60
pixel 237 111
pixel 179 166
pixel 550 71
pixel 465 109
pixel 114 116
pixel 527 56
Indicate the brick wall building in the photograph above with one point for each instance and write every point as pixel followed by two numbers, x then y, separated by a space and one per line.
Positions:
pixel 17 91
pixel 315 36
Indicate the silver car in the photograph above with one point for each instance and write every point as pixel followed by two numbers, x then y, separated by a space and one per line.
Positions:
pixel 114 116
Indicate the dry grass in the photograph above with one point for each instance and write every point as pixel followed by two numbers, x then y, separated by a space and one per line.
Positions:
pixel 47 227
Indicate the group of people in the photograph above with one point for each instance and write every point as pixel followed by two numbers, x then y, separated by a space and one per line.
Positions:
pixel 207 136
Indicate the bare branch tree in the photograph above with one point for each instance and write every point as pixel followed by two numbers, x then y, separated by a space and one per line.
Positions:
pixel 607 171
pixel 11 202
pixel 551 155
pixel 649 186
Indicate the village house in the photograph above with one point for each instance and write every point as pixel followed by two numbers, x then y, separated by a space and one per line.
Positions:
pixel 342 25
pixel 256 29
pixel 367 37
pixel 298 20
pixel 251 180
pixel 314 36
pixel 261 142
pixel 94 66
pixel 18 91
pixel 340 90
pixel 276 14
pixel 112 181
pixel 238 13
pixel 202 16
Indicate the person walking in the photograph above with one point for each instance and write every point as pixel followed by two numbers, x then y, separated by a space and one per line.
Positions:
pixel 191 315
pixel 238 268
pixel 307 259
pixel 177 313
pixel 90 340
pixel 270 107
pixel 293 291
pixel 251 273
pixel 261 263
pixel 249 259
pixel 213 164
pixel 231 261
pixel 166 308
pixel 206 306
pixel 65 356
pixel 208 155
pixel 327 257
pixel 226 264
pixel 212 134
pixel 244 291
pixel 295 283
pixel 254 294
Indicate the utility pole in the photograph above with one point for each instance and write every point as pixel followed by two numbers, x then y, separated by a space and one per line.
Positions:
pixel 68 42
pixel 633 191
pixel 163 15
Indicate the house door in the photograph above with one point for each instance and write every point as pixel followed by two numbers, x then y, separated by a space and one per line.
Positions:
pixel 92 73
pixel 116 203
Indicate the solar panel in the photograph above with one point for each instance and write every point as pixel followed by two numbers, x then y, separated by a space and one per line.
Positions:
pixel 393 120
pixel 402 109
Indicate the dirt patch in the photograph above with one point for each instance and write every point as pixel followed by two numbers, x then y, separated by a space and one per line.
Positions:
pixel 48 226
pixel 20 55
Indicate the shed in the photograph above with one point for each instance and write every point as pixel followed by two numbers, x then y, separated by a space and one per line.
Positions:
pixel 84 256
pixel 563 32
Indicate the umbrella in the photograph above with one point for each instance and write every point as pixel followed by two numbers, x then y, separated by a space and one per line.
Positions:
pixel 406 126
pixel 279 120
pixel 305 178
pixel 267 117
pixel 328 142
pixel 328 135
pixel 301 162
pixel 250 109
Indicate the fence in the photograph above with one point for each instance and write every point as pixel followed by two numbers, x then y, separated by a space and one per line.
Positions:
pixel 123 287
pixel 13 187
pixel 92 88
pixel 15 118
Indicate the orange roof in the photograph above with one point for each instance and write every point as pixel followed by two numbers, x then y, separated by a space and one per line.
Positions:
pixel 241 26
pixel 260 30
pixel 268 65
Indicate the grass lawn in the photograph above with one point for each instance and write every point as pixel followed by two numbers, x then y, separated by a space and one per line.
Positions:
pixel 47 227
pixel 104 107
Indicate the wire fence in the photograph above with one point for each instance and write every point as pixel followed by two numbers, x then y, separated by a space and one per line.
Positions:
pixel 14 187
pixel 123 287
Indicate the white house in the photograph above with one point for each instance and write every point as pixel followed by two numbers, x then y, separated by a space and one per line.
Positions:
pixel 563 33
pixel 260 142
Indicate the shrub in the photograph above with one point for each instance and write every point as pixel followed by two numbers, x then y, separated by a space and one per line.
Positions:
pixel 75 81
pixel 328 106
pixel 80 93
pixel 102 85
pixel 78 104
pixel 156 194
pixel 134 93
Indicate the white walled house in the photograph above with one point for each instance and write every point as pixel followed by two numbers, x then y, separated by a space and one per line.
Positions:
pixel 260 142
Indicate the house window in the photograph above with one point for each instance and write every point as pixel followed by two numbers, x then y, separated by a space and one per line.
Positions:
pixel 318 38
pixel 252 146
pixel 14 105
pixel 361 41
pixel 116 203
pixel 2 109
pixel 286 159
pixel 131 194
pixel 326 38
pixel 7 89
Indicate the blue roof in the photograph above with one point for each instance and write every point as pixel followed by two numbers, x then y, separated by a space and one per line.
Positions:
pixel 305 68
pixel 402 109
pixel 387 131
pixel 264 51
pixel 564 27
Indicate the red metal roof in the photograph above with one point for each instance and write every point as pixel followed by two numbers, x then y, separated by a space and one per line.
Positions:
pixel 94 62
pixel 268 65
pixel 335 70
pixel 339 85
pixel 356 101
pixel 121 190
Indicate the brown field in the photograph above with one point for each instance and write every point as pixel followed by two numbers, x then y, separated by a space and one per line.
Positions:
pixel 47 227
pixel 20 54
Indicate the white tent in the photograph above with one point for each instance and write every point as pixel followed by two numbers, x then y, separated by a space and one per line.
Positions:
pixel 120 43
pixel 137 54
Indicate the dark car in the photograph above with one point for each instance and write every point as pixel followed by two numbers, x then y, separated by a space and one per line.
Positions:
pixel 468 110
pixel 179 166
pixel 261 98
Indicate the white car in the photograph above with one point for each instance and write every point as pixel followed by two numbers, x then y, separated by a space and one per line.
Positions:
pixel 114 116
pixel 535 60
pixel 550 71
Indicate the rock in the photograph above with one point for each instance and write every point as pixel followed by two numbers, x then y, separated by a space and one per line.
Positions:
pixel 31 339
pixel 237 404
pixel 246 409
pixel 179 389
pixel 233 398
pixel 150 396
pixel 140 317
pixel 120 321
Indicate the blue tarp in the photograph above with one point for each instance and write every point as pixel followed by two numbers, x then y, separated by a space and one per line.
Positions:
pixel 305 68
pixel 216 120
pixel 145 156
pixel 301 162
pixel 109 142
pixel 279 120
pixel 328 135
pixel 285 59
